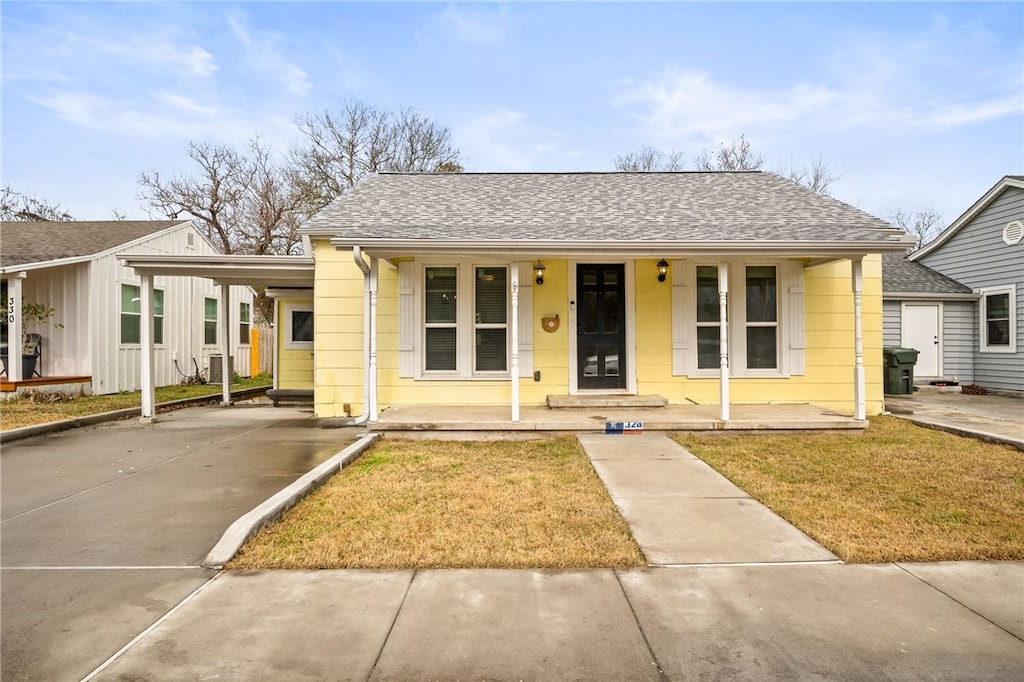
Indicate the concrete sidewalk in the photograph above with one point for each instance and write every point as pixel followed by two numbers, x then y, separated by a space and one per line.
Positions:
pixel 768 604
pixel 683 512
pixel 993 418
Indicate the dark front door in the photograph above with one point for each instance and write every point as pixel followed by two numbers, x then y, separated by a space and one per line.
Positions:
pixel 601 326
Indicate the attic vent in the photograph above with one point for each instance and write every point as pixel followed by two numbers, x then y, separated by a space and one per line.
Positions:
pixel 192 240
pixel 1013 232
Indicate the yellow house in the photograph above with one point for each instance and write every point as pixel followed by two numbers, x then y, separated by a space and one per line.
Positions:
pixel 520 289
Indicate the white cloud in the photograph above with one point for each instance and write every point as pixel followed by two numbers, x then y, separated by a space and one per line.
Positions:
pixel 263 55
pixel 501 139
pixel 477 25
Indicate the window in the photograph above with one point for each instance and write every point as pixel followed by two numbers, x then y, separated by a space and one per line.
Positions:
pixel 298 321
pixel 491 320
pixel 998 320
pixel 131 314
pixel 440 335
pixel 465 321
pixel 762 320
pixel 708 318
pixel 244 322
pixel 210 321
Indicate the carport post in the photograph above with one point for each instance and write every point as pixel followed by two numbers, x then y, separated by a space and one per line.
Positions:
pixel 860 407
pixel 225 342
pixel 148 410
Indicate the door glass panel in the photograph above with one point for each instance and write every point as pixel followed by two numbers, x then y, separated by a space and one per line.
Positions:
pixel 611 312
pixel 707 294
pixel 589 278
pixel 611 278
pixel 708 344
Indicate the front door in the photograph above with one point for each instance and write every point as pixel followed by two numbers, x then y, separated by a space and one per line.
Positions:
pixel 921 328
pixel 601 326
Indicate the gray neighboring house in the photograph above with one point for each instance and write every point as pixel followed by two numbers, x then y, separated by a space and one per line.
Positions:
pixel 964 291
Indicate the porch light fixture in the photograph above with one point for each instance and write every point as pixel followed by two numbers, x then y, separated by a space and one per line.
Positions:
pixel 538 272
pixel 662 270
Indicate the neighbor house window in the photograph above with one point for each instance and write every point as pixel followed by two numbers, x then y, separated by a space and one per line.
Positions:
pixel 708 318
pixel 298 322
pixel 998 319
pixel 244 322
pixel 440 312
pixel 131 314
pixel 210 321
pixel 762 321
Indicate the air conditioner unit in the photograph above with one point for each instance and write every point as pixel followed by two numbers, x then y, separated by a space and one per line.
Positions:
pixel 217 364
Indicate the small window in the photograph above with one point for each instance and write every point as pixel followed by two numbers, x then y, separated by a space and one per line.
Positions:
pixel 131 315
pixel 210 321
pixel 244 322
pixel 490 323
pixel 708 318
pixel 998 320
pixel 298 321
pixel 762 317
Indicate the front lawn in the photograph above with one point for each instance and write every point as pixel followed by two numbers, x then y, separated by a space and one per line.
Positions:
pixel 450 504
pixel 897 492
pixel 42 407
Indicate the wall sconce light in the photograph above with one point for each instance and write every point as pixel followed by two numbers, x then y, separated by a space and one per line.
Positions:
pixel 538 272
pixel 662 270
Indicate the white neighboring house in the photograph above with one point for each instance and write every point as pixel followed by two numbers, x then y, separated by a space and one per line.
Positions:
pixel 93 339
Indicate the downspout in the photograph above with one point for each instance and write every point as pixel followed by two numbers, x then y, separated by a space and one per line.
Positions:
pixel 367 271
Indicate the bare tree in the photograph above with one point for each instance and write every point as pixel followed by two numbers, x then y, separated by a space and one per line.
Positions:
pixel 342 146
pixel 737 156
pixel 649 160
pixel 243 201
pixel 924 224
pixel 18 207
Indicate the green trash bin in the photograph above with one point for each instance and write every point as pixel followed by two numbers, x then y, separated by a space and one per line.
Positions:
pixel 899 370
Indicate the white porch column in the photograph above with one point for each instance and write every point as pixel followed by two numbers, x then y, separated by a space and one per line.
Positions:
pixel 514 271
pixel 15 327
pixel 278 345
pixel 723 340
pixel 374 264
pixel 225 342
pixel 860 406
pixel 146 342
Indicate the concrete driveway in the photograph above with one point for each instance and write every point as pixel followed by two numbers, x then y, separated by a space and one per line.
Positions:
pixel 994 418
pixel 103 528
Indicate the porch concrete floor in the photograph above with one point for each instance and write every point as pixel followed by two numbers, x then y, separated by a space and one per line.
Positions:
pixel 670 418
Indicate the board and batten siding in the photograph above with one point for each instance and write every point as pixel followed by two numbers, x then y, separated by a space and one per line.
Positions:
pixel 65 348
pixel 117 366
pixel 977 256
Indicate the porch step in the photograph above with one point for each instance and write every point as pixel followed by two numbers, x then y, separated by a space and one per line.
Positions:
pixel 562 401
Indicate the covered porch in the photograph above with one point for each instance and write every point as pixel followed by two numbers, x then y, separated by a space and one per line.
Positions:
pixel 612 419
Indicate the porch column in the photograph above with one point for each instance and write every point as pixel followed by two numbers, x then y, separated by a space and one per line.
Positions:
pixel 514 369
pixel 15 326
pixel 374 264
pixel 723 340
pixel 860 407
pixel 278 345
pixel 146 341
pixel 225 343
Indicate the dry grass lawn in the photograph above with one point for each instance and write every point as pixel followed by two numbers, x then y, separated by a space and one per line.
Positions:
pixel 444 504
pixel 898 492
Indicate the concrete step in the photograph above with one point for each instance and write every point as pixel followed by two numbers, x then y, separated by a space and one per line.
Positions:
pixel 568 401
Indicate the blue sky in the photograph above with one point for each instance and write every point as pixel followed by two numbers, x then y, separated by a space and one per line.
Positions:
pixel 916 106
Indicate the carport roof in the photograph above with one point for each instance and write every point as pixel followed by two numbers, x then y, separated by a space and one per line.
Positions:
pixel 282 272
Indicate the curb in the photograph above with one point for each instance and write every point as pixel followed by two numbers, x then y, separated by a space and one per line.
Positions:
pixel 239 532
pixel 88 420
pixel 961 431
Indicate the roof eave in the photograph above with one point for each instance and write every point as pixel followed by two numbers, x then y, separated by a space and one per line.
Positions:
pixel 927 296
pixel 654 249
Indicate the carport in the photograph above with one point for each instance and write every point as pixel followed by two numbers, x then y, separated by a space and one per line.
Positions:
pixel 278 272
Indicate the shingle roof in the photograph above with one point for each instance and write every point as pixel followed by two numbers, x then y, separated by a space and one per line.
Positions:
pixel 747 206
pixel 900 275
pixel 36 242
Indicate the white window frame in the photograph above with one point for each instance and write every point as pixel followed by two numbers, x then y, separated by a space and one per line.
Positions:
pixel 244 339
pixel 984 293
pixel 161 317
pixel 215 320
pixel 465 321
pixel 289 341
pixel 789 342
